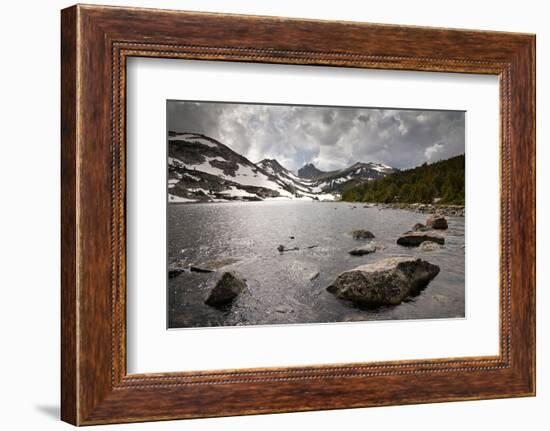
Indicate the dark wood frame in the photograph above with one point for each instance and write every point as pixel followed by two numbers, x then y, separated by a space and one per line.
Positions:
pixel 95 43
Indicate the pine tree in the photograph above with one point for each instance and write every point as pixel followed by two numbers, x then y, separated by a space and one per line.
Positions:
pixel 443 179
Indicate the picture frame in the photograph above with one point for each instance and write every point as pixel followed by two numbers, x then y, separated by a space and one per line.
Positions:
pixel 96 42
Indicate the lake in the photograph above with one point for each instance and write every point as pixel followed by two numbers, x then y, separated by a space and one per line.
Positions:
pixel 283 288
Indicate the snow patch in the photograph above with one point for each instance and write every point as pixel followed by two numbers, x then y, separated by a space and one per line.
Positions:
pixel 193 177
pixel 189 137
pixel 236 192
pixel 176 199
pixel 175 162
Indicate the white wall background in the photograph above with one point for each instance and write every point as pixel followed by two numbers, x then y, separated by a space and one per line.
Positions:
pixel 29 217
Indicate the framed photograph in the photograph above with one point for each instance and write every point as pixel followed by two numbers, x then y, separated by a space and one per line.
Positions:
pixel 278 235
pixel 264 215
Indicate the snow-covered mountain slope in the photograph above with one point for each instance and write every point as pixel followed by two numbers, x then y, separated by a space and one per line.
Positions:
pixel 295 184
pixel 201 169
pixel 334 181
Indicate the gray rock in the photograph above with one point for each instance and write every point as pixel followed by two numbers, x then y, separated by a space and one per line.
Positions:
pixel 419 227
pixel 180 266
pixel 429 246
pixel 282 248
pixel 414 239
pixel 313 276
pixel 174 272
pixel 437 221
pixel 284 310
pixel 365 249
pixel 386 282
pixel 362 234
pixel 200 269
pixel 228 287
pixel 176 268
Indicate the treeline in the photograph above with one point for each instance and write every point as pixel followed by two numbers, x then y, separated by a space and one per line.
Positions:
pixel 443 180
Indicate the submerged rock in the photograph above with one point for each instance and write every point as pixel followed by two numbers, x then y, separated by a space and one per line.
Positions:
pixel 217 263
pixel 365 249
pixel 440 298
pixel 284 310
pixel 429 246
pixel 414 239
pixel 362 234
pixel 386 282
pixel 228 287
pixel 437 221
pixel 301 271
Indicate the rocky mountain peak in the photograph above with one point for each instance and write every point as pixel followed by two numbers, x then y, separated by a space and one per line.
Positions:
pixel 309 171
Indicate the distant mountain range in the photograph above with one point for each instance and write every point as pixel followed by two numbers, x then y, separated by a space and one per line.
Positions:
pixel 202 169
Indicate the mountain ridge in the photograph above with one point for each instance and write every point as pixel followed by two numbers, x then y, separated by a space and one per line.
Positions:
pixel 202 169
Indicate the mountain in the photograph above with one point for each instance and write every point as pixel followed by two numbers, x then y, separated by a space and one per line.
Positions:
pixel 441 182
pixel 309 171
pixel 357 173
pixel 202 169
pixel 294 184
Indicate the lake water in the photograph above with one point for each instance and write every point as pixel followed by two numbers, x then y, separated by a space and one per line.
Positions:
pixel 246 235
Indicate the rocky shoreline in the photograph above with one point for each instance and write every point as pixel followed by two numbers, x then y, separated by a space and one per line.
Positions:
pixel 445 210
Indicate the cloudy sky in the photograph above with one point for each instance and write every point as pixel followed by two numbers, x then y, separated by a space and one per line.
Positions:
pixel 329 137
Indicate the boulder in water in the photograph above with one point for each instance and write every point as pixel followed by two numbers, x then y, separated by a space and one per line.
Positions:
pixel 362 234
pixel 385 282
pixel 414 239
pixel 437 221
pixel 365 249
pixel 228 287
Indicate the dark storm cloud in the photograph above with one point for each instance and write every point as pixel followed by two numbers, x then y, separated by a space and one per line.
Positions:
pixel 329 137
